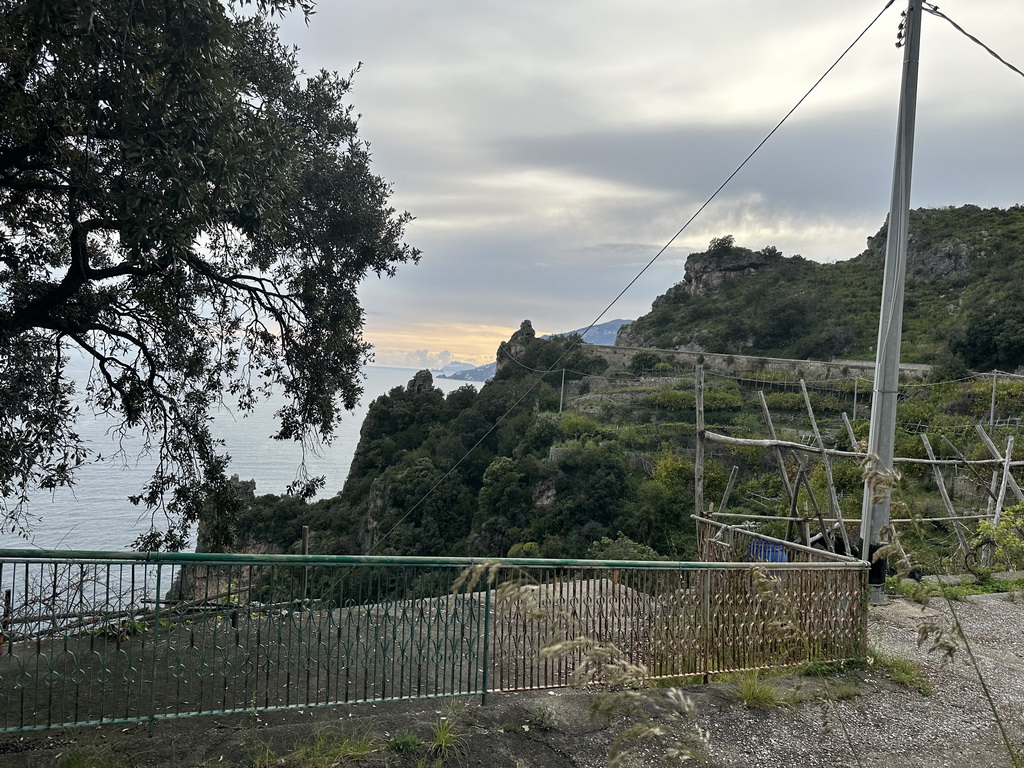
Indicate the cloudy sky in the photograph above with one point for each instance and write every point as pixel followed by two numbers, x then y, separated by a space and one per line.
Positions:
pixel 549 149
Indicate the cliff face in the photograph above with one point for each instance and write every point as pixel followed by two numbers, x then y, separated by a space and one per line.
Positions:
pixel 705 273
pixel 928 260
pixel 515 347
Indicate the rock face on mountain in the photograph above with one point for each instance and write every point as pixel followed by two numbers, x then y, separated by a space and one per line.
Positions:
pixel 928 260
pixel 515 346
pixel 421 382
pixel 705 273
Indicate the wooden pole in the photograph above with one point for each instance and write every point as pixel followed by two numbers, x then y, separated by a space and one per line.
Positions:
pixel 977 475
pixel 992 407
pixel 792 505
pixel 1002 485
pixel 849 432
pixel 940 481
pixel 698 459
pixel 715 437
pixel 817 507
pixel 796 518
pixel 833 499
pixel 994 452
pixel 728 488
pixel 780 459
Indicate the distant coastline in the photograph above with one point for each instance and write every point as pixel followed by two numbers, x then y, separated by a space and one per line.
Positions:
pixel 96 515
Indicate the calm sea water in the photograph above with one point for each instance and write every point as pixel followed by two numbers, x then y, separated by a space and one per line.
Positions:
pixel 96 514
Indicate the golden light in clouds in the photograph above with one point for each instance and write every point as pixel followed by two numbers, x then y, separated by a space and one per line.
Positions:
pixel 434 344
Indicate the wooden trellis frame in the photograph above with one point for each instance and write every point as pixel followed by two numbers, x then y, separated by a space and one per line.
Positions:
pixel 1001 464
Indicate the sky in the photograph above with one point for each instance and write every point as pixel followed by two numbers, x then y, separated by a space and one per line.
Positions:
pixel 548 150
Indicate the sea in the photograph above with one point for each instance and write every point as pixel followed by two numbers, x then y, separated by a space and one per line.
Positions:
pixel 95 513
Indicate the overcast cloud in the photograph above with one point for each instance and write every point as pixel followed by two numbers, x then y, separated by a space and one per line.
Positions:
pixel 548 150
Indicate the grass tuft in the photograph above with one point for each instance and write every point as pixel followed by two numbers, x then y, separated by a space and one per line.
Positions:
pixel 84 758
pixel 843 691
pixel 447 741
pixel 903 672
pixel 755 693
pixel 322 751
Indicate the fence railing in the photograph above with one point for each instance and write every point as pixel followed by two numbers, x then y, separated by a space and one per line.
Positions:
pixel 104 637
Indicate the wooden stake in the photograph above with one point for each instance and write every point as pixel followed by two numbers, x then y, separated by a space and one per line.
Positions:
pixel 833 499
pixel 849 432
pixel 1011 483
pixel 817 509
pixel 780 459
pixel 941 482
pixel 728 488
pixel 792 505
pixel 1002 485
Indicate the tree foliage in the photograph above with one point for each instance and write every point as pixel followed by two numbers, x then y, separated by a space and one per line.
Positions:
pixel 183 207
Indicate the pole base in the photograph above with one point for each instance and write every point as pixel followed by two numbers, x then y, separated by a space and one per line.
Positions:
pixel 876 594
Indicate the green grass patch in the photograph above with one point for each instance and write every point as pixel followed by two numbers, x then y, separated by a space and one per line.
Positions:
pixel 324 750
pixel 755 693
pixel 87 758
pixel 405 743
pixel 922 591
pixel 903 672
pixel 842 691
pixel 447 740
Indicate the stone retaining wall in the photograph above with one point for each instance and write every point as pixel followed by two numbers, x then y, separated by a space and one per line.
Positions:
pixel 735 365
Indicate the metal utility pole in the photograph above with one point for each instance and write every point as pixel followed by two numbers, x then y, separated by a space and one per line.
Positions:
pixel 882 436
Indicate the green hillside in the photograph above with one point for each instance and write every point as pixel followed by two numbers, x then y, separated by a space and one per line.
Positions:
pixel 965 283
pixel 518 469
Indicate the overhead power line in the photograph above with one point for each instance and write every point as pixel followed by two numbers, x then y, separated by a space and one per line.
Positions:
pixel 555 366
pixel 934 11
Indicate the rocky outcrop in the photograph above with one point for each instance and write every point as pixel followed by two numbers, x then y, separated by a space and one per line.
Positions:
pixel 515 346
pixel 421 382
pixel 927 262
pixel 705 272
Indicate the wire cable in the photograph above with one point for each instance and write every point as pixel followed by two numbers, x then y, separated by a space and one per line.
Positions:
pixel 934 11
pixel 576 342
pixel 739 168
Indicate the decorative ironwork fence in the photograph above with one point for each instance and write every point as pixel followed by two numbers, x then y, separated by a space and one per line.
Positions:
pixel 104 637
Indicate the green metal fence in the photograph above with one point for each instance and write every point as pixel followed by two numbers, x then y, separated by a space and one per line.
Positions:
pixel 104 637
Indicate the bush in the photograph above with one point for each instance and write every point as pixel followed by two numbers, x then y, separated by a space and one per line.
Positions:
pixel 785 401
pixel 621 548
pixel 644 361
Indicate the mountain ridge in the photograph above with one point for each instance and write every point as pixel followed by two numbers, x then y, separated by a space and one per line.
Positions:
pixel 964 283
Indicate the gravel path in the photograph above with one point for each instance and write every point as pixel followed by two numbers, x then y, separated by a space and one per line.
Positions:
pixel 890 724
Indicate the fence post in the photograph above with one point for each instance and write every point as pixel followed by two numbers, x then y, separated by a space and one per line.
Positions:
pixel 705 649
pixel 698 459
pixel 305 570
pixel 156 651
pixel 487 642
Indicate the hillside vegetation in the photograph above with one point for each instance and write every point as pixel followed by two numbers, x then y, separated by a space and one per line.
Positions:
pixel 501 471
pixel 964 290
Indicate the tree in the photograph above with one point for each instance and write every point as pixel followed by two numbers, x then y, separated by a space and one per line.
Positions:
pixel 644 361
pixel 186 209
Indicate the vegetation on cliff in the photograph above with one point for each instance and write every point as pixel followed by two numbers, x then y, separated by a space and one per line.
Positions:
pixel 964 288
pixel 606 468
